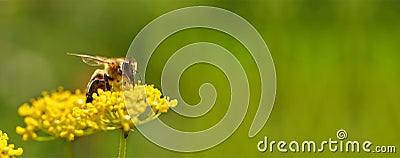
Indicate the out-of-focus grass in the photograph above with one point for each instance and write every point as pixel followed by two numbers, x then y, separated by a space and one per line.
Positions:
pixel 336 62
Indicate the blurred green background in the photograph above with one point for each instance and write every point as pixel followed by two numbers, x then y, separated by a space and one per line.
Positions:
pixel 337 65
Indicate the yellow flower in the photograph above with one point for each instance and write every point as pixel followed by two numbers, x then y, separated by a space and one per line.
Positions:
pixel 65 115
pixel 158 103
pixel 52 114
pixel 7 150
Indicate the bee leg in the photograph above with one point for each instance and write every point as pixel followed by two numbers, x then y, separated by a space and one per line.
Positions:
pixel 107 83
pixel 91 90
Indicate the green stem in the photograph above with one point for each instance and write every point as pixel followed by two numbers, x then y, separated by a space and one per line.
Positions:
pixel 45 138
pixel 68 149
pixel 122 145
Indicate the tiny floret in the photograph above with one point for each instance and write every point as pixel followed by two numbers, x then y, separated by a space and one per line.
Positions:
pixel 7 150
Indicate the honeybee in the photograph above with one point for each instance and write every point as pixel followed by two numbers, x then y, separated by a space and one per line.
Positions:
pixel 110 78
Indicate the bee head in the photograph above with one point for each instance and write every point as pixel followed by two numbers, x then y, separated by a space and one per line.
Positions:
pixel 129 67
pixel 113 68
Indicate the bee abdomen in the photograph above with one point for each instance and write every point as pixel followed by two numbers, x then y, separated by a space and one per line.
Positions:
pixel 94 85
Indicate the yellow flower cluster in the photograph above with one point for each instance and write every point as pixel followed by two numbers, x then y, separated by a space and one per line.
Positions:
pixel 52 114
pixel 66 115
pixel 7 150
pixel 158 103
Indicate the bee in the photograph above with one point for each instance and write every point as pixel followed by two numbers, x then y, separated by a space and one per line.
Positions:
pixel 116 70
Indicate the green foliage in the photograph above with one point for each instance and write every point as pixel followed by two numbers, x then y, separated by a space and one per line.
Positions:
pixel 336 62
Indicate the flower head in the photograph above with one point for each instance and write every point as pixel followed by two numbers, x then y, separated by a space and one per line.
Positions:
pixel 53 114
pixel 65 115
pixel 7 150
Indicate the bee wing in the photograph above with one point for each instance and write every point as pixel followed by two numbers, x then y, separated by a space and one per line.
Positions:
pixel 90 60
